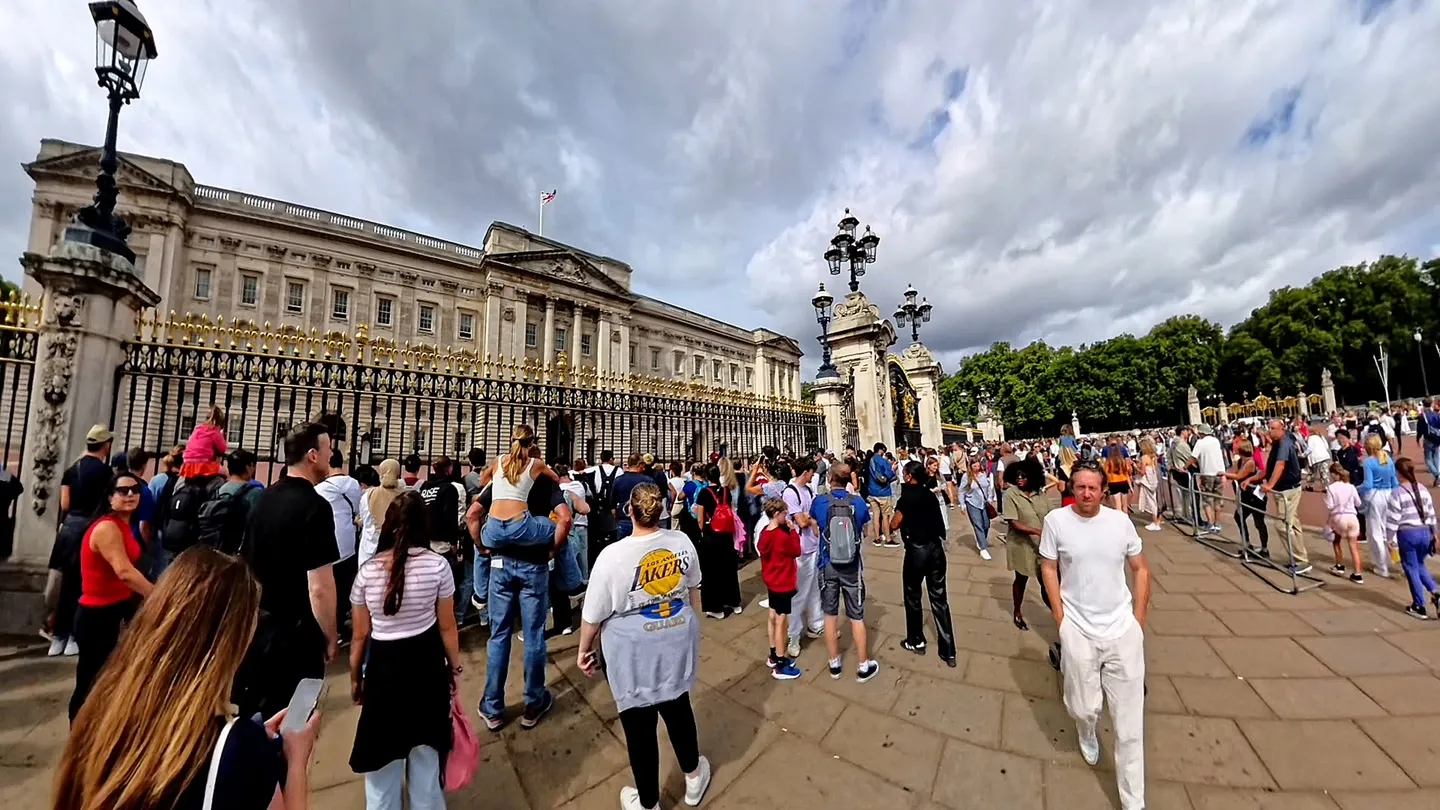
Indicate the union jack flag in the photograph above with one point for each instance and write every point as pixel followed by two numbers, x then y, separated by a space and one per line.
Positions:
pixel 547 196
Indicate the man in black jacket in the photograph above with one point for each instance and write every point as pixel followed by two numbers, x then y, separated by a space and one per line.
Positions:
pixel 919 521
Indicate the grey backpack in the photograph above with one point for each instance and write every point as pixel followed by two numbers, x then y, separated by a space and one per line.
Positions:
pixel 842 536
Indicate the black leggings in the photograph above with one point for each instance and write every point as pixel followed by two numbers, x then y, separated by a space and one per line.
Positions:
pixel 1253 508
pixel 1018 589
pixel 644 746
pixel 97 631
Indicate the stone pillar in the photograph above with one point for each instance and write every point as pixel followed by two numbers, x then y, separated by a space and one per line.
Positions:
pixel 1224 412
pixel 492 319
pixel 623 364
pixel 925 374
pixel 1074 424
pixel 830 396
pixel 602 344
pixel 579 323
pixel 549 352
pixel 1192 406
pixel 859 338
pixel 91 300
pixel 522 312
pixel 762 373
pixel 1303 403
pixel 1327 392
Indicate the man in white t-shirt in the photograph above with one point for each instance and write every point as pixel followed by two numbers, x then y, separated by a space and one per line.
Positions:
pixel 1084 551
pixel 1210 463
pixel 806 603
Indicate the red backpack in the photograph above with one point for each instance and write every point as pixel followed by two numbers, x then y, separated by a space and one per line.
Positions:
pixel 723 521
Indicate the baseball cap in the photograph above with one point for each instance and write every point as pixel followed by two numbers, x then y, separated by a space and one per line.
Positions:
pixel 98 434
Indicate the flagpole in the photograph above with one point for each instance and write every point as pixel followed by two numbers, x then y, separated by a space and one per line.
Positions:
pixel 542 216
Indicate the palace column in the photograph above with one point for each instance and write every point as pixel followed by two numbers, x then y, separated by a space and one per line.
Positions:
pixel 521 308
pixel 549 353
pixel 579 313
pixel 925 375
pixel 492 318
pixel 830 396
pixel 602 347
pixel 624 362
pixel 91 299
pixel 762 373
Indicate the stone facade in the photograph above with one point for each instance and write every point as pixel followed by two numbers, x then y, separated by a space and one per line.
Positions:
pixel 232 255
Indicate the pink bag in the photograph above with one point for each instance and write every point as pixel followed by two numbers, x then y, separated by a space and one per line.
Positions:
pixel 464 758
pixel 740 537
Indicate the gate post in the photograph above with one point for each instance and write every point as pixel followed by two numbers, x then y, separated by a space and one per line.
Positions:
pixel 91 301
pixel 925 374
pixel 859 338
pixel 830 397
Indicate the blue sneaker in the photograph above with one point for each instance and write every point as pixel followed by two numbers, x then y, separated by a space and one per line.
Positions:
pixel 785 671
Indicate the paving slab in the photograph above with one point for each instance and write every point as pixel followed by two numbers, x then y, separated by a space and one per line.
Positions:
pixel 887 746
pixel 1268 658
pixel 1362 655
pixel 812 777
pixel 1400 694
pixel 971 776
pixel 1322 754
pixel 1315 698
pixel 1209 751
pixel 965 712
pixel 1180 655
pixel 1412 742
pixel 1265 622
pixel 1213 798
pixel 1084 788
pixel 1186 623
pixel 1220 697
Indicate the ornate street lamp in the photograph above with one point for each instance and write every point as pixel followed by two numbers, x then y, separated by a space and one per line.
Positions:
pixel 1420 347
pixel 822 302
pixel 912 313
pixel 847 251
pixel 124 45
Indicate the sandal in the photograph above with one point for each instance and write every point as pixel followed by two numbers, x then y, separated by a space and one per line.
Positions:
pixel 1020 622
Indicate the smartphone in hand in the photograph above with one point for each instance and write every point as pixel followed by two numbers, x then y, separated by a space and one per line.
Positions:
pixel 302 704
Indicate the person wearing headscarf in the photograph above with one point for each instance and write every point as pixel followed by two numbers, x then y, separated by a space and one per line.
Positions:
pixel 373 504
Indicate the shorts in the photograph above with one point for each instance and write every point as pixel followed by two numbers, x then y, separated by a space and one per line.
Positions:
pixel 849 583
pixel 1210 489
pixel 1342 526
pixel 1119 487
pixel 780 602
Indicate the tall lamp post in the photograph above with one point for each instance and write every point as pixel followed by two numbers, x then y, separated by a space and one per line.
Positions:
pixel 1420 347
pixel 124 45
pixel 912 313
pixel 822 302
pixel 847 251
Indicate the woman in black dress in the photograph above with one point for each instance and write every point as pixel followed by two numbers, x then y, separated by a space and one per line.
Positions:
pixel 719 564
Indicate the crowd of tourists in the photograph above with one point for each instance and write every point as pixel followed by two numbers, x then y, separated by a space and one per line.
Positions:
pixel 200 601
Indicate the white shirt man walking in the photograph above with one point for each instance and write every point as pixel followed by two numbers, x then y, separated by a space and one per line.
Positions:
pixel 1084 551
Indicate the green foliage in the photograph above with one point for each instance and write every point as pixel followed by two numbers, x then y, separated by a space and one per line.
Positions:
pixel 1337 321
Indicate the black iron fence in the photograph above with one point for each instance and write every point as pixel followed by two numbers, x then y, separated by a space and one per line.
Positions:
pixel 384 400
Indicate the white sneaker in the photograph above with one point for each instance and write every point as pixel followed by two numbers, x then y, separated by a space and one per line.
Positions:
pixel 764 604
pixel 738 609
pixel 793 648
pixel 71 648
pixel 1090 749
pixel 57 646
pixel 1151 527
pixel 630 800
pixel 695 786
pixel 985 554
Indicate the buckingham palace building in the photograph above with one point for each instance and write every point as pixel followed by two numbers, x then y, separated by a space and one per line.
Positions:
pixel 223 259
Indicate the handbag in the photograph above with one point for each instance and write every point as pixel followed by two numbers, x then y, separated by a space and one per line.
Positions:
pixel 990 510
pixel 214 774
pixel 464 757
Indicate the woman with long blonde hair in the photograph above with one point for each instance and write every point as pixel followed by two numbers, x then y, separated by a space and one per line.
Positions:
pixel 1148 483
pixel 1380 481
pixel 511 477
pixel 148 736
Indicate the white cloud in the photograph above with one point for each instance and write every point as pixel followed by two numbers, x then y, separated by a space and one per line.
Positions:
pixel 1094 175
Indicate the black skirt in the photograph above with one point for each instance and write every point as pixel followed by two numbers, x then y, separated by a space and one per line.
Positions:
pixel 406 703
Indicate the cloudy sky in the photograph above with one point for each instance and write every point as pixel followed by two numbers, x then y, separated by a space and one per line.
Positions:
pixel 1062 170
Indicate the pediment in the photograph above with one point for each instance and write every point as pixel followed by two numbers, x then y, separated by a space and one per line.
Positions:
pixel 563 265
pixel 85 163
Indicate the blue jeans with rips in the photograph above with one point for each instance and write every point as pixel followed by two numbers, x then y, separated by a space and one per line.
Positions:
pixel 579 544
pixel 1432 459
pixel 480 581
pixel 523 589
pixel 524 529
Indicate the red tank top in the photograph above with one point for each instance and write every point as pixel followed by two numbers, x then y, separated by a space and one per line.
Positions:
pixel 99 584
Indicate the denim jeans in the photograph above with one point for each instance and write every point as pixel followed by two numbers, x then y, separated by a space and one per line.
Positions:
pixel 980 522
pixel 1432 459
pixel 579 545
pixel 624 528
pixel 160 559
pixel 521 588
pixel 1414 542
pixel 464 577
pixel 524 529
pixel 480 582
pixel 418 775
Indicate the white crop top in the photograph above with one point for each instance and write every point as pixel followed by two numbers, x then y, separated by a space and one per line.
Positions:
pixel 503 490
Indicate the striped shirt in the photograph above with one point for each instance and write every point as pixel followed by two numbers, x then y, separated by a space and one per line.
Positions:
pixel 1405 511
pixel 427 580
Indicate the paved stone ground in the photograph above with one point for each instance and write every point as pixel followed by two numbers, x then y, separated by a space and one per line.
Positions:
pixel 1257 700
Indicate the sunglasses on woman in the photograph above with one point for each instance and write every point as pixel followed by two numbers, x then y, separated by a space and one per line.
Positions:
pixel 129 489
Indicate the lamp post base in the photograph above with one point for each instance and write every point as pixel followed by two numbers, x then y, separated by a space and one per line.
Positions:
pixel 827 371
pixel 84 234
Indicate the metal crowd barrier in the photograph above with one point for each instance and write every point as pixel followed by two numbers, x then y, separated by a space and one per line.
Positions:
pixel 1234 537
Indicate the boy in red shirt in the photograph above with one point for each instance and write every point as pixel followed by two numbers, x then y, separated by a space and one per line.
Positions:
pixel 779 548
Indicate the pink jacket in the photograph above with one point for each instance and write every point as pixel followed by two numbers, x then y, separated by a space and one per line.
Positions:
pixel 206 443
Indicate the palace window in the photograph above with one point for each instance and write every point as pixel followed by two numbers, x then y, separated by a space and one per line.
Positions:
pixel 715 366
pixel 734 374
pixel 340 305
pixel 384 311
pixel 426 322
pixel 529 335
pixel 377 439
pixel 632 354
pixel 654 359
pixel 249 290
pixel 679 362
pixel 560 335
pixel 749 377
pixel 585 345
pixel 699 366
pixel 202 284
pixel 467 326
pixel 295 297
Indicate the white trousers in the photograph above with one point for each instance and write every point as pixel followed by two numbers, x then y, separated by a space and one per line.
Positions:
pixel 1113 672
pixel 385 788
pixel 805 609
pixel 1377 501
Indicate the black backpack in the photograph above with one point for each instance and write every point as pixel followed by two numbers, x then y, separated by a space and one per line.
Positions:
pixel 602 511
pixel 180 528
pixel 1377 428
pixel 221 521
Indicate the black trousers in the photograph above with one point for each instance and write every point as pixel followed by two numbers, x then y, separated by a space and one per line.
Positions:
pixel 344 571
pixel 562 612
pixel 282 654
pixel 1253 508
pixel 927 563
pixel 96 631
pixel 644 746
